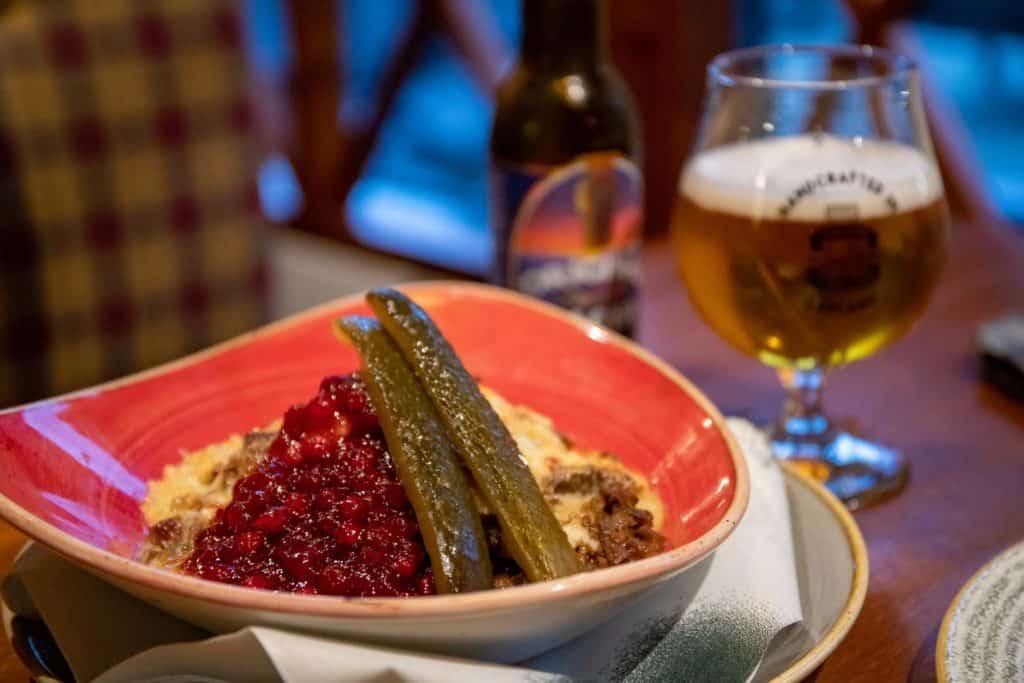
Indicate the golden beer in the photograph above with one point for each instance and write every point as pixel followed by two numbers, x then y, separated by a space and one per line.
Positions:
pixel 810 251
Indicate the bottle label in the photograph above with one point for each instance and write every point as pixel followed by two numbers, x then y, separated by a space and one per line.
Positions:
pixel 571 234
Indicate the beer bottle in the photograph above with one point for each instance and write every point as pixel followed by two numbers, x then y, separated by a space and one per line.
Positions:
pixel 566 202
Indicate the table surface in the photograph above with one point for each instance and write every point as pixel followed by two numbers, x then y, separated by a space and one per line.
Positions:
pixel 964 501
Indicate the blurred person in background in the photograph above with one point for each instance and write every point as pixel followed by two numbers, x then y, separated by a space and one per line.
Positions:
pixel 130 234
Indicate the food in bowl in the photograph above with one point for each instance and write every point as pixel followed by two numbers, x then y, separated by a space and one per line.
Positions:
pixel 75 469
pixel 404 479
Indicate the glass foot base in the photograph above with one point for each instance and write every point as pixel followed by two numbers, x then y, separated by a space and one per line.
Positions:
pixel 859 472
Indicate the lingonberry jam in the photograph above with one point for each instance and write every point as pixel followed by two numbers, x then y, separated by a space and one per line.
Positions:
pixel 324 512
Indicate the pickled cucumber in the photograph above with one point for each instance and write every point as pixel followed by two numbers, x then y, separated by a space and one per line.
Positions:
pixel 529 528
pixel 427 463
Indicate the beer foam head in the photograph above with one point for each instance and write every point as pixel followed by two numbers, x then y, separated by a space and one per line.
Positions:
pixel 811 178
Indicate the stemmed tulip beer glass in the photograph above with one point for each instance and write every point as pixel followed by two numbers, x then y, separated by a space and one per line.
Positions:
pixel 810 230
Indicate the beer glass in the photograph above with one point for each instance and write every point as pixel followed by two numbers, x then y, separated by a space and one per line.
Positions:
pixel 810 230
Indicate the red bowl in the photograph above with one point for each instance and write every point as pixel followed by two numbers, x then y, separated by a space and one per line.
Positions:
pixel 74 469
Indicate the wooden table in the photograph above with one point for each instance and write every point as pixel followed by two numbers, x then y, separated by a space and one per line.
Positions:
pixel 965 501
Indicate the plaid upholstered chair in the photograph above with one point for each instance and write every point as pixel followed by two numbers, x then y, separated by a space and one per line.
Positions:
pixel 129 229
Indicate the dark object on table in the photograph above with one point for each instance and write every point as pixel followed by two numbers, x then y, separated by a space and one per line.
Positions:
pixel 1001 344
pixel 36 648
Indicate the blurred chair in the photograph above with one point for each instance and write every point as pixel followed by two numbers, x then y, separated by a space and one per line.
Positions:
pixel 328 158
pixel 888 22
pixel 661 46
pixel 130 232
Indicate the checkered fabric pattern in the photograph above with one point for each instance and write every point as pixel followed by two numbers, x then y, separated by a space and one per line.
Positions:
pixel 129 224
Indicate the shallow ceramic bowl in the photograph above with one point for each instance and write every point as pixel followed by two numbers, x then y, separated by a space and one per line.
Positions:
pixel 74 469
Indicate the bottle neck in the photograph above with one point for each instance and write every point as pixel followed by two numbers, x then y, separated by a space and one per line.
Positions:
pixel 564 33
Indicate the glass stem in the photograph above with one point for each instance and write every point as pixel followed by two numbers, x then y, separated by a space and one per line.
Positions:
pixel 803 429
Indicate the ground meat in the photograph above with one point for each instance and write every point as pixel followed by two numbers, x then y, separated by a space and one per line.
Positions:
pixel 171 540
pixel 623 532
pixel 509 577
pixel 166 532
pixel 626 534
pixel 254 449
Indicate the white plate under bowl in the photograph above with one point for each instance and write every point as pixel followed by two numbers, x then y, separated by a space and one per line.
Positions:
pixel 982 634
pixel 832 568
pixel 832 572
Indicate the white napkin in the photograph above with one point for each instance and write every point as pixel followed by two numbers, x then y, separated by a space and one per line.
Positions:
pixel 746 596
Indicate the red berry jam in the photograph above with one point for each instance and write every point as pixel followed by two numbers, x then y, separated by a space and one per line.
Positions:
pixel 323 513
